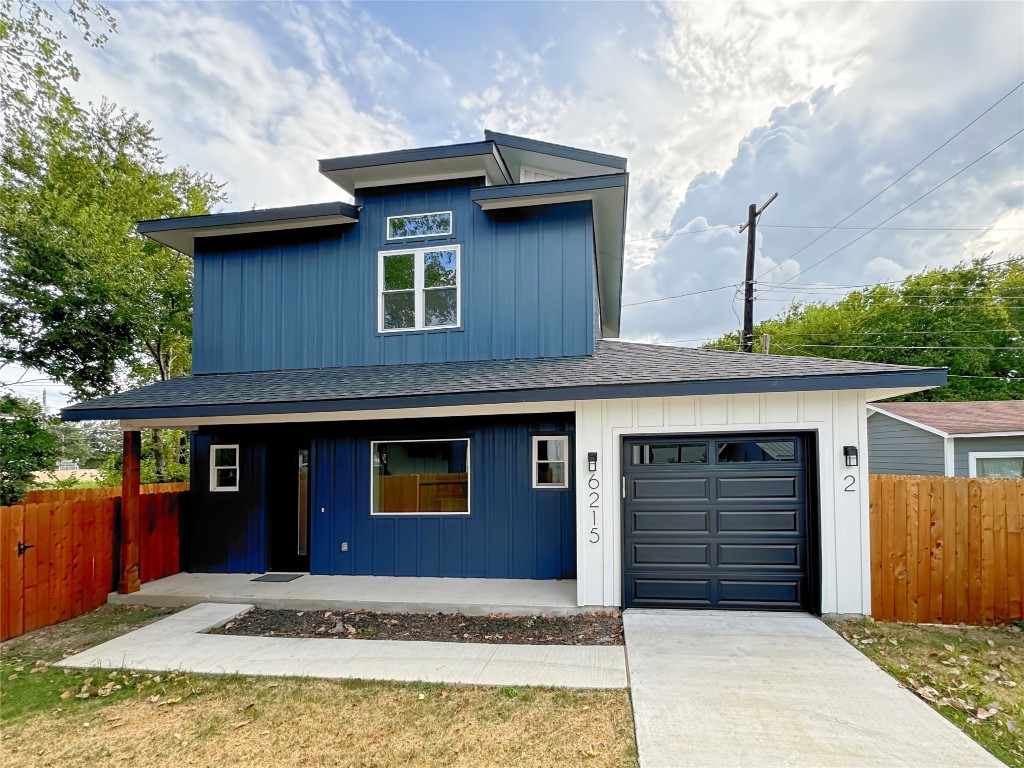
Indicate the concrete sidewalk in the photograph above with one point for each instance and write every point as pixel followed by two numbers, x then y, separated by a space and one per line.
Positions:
pixel 177 643
pixel 755 689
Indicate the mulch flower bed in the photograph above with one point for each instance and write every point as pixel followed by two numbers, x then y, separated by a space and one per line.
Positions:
pixel 581 629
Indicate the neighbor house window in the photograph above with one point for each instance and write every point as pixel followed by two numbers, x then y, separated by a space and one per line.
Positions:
pixel 419 289
pixel 1008 464
pixel 223 467
pixel 551 462
pixel 420 477
pixel 419 225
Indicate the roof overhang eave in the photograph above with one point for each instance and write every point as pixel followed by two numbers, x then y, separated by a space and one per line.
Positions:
pixel 922 378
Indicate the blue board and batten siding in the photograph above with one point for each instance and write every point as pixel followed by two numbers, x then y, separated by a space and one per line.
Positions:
pixel 512 531
pixel 308 298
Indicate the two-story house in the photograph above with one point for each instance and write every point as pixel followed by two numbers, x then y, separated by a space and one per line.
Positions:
pixel 426 383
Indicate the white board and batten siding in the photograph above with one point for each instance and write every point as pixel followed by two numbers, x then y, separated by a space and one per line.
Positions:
pixel 837 418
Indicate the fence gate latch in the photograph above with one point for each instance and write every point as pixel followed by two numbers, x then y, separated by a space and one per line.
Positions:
pixel 23 548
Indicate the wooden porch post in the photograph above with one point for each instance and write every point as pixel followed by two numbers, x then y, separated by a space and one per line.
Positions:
pixel 128 581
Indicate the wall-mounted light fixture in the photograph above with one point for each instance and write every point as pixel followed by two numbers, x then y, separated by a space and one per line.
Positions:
pixel 592 461
pixel 850 454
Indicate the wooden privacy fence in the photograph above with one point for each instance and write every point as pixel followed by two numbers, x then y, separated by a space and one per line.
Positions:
pixel 58 558
pixel 81 494
pixel 947 549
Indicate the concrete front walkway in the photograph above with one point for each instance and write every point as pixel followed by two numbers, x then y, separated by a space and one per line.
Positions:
pixel 177 643
pixel 473 597
pixel 757 689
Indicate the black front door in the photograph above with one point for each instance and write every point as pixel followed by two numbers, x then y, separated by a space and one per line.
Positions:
pixel 288 506
pixel 717 521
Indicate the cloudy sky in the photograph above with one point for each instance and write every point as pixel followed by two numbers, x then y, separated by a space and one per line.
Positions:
pixel 715 105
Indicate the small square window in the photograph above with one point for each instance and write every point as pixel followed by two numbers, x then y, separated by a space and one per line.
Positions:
pixel 223 467
pixel 551 462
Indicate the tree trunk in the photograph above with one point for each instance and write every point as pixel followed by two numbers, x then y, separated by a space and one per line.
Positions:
pixel 159 464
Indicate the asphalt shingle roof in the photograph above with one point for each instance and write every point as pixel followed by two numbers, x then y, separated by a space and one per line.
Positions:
pixel 967 418
pixel 623 366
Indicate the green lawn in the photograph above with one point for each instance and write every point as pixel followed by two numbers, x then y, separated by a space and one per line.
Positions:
pixel 974 676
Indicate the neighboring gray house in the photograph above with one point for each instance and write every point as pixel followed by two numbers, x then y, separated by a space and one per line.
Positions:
pixel 971 439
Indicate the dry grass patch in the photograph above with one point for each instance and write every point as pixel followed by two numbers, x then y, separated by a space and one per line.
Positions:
pixel 972 675
pixel 288 722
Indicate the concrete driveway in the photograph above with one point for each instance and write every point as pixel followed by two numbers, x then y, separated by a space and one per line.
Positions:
pixel 760 689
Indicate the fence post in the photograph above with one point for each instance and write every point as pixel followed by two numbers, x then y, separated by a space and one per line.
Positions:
pixel 129 580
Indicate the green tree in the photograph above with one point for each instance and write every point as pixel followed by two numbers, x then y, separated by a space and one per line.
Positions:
pixel 27 445
pixel 969 318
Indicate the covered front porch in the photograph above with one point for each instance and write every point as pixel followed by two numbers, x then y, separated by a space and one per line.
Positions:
pixel 397 594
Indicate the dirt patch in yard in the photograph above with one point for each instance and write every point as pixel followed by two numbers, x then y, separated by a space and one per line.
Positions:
pixel 581 629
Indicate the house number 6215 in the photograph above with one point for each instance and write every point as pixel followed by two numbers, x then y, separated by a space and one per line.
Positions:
pixel 594 504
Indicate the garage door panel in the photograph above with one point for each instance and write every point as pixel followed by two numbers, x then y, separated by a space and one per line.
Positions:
pixel 671 488
pixel 755 593
pixel 761 555
pixel 668 555
pixel 755 521
pixel 694 593
pixel 671 521
pixel 732 533
pixel 758 487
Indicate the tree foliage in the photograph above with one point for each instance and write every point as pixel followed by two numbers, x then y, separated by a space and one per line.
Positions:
pixel 27 445
pixel 969 318
pixel 82 296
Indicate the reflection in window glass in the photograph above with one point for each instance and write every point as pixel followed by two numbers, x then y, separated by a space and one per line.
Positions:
pixel 420 225
pixel 420 477
pixel 1003 466
pixel 757 450
pixel 670 453
pixel 419 289
pixel 551 462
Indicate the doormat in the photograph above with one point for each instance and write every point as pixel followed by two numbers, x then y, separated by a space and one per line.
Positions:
pixel 278 577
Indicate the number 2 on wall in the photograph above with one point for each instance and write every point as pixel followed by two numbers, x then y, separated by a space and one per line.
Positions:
pixel 850 481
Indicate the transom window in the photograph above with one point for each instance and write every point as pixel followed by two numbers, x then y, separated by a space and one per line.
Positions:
pixel 419 288
pixel 420 477
pixel 419 225
pixel 223 467
pixel 551 462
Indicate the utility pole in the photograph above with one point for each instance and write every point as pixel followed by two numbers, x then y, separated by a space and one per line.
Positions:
pixel 748 284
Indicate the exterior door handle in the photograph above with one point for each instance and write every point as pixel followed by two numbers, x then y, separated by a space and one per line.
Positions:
pixel 23 548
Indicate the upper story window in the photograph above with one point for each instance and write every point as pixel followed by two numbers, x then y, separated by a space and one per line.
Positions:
pixel 419 289
pixel 419 225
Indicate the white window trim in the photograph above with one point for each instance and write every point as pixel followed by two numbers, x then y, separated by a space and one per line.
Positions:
pixel 418 288
pixel 972 458
pixel 564 439
pixel 214 488
pixel 387 226
pixel 469 477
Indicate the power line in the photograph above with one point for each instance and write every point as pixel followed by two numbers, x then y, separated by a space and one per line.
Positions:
pixel 679 295
pixel 888 346
pixel 908 205
pixel 997 378
pixel 894 183
pixel 894 229
pixel 680 234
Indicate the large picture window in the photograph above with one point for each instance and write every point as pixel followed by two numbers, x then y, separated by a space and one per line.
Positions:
pixel 223 467
pixel 420 477
pixel 1005 464
pixel 419 289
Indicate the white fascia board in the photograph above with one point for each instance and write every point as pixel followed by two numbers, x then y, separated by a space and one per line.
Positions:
pixel 990 434
pixel 911 422
pixel 447 411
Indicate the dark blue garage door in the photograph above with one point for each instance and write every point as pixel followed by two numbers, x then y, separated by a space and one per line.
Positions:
pixel 716 522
